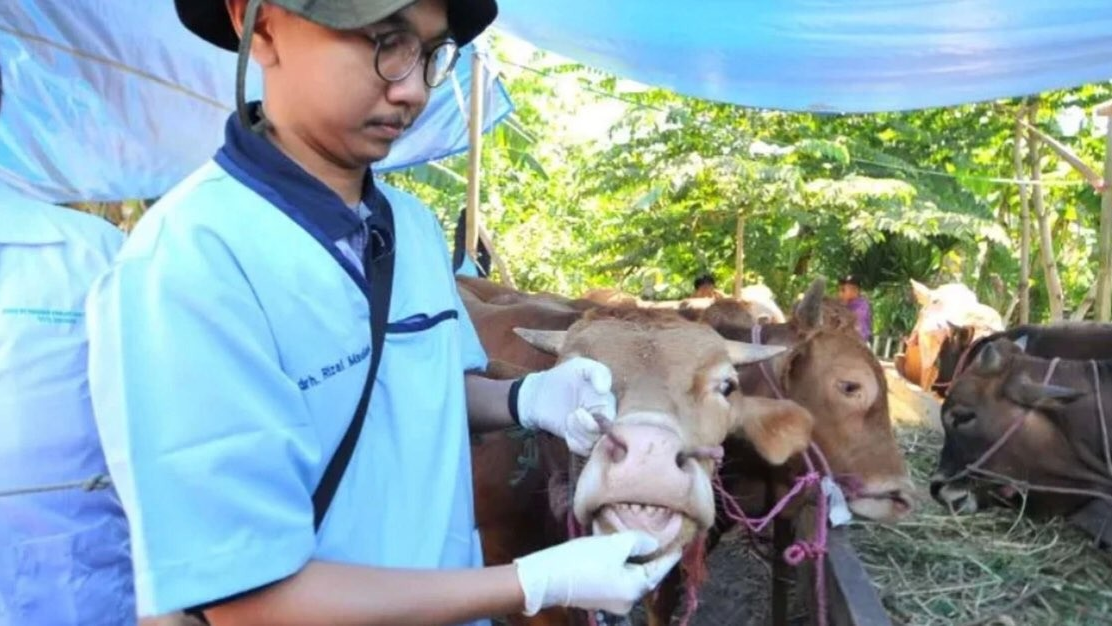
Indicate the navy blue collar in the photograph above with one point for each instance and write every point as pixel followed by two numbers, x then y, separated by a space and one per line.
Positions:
pixel 262 161
pixel 257 164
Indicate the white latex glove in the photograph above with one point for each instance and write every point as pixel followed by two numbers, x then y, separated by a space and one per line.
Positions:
pixel 562 400
pixel 591 573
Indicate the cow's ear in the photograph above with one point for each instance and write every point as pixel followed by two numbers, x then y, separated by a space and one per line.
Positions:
pixel 922 293
pixel 990 361
pixel 778 429
pixel 547 341
pixel 808 314
pixel 742 353
pixel 1028 393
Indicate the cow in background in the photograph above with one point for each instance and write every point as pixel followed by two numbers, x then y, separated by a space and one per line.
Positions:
pixel 944 313
pixel 1018 423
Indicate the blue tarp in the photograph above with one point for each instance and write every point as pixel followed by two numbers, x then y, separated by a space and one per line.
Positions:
pixel 114 99
pixel 830 55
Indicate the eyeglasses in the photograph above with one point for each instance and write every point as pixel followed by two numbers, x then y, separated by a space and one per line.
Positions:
pixel 398 52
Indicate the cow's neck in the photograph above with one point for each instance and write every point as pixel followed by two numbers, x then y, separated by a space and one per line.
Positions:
pixel 1081 421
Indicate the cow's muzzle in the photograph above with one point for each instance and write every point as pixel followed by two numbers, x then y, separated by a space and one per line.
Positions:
pixel 958 496
pixel 654 482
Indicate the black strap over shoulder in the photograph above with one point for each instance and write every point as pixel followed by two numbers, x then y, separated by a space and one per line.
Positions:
pixel 378 266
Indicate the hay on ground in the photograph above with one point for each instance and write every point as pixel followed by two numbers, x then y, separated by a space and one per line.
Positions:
pixel 996 568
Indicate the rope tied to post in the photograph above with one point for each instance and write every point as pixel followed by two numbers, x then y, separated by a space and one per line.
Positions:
pixel 95 483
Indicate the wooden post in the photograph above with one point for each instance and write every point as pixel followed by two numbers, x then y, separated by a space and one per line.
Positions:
pixel 474 156
pixel 739 261
pixel 1025 225
pixel 1104 277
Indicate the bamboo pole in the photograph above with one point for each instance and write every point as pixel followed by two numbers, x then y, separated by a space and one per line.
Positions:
pixel 1104 277
pixel 474 156
pixel 1066 154
pixel 1046 240
pixel 1025 225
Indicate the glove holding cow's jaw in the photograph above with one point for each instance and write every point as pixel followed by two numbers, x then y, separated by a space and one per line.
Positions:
pixel 593 573
pixel 563 401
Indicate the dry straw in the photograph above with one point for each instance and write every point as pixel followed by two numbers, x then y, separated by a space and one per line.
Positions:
pixel 992 569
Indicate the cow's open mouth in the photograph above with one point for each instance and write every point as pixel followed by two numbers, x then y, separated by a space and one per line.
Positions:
pixel 663 523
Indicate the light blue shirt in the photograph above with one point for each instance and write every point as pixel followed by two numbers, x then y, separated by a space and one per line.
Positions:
pixel 245 345
pixel 63 555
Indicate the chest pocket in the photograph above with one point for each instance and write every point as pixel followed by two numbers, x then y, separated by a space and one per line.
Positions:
pixel 421 322
pixel 75 579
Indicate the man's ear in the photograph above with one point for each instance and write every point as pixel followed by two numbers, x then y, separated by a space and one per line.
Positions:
pixel 262 40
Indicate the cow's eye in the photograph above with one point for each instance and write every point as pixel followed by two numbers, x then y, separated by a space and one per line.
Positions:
pixel 848 387
pixel 727 387
pixel 962 415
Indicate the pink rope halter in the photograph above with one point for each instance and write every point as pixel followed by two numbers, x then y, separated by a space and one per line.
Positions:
pixel 801 550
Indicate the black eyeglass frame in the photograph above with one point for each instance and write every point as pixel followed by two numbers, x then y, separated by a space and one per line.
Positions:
pixel 428 53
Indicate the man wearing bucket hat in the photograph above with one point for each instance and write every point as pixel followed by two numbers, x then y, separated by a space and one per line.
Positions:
pixel 278 355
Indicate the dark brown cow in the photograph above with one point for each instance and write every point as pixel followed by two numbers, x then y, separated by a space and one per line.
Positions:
pixel 1014 425
pixel 1074 340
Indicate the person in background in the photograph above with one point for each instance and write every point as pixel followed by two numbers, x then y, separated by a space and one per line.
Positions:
pixel 64 553
pixel 705 287
pixel 849 292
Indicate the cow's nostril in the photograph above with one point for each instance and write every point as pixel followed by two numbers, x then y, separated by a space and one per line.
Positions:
pixel 616 450
pixel 936 488
pixel 681 459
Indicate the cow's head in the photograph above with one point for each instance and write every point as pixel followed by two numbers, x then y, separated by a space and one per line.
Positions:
pixel 942 311
pixel 830 371
pixel 677 392
pixel 1000 387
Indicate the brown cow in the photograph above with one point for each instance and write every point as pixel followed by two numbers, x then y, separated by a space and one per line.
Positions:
pixel 676 384
pixel 610 297
pixel 666 373
pixel 855 424
pixel 1073 340
pixel 831 372
pixel 1013 425
pixel 940 311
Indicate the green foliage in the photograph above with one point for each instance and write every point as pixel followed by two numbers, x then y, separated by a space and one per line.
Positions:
pixel 594 183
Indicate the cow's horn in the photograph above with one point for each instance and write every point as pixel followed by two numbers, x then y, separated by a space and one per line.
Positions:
pixel 548 341
pixel 742 353
pixel 1022 343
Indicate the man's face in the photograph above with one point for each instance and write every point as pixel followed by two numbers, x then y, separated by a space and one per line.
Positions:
pixel 848 292
pixel 322 84
pixel 704 290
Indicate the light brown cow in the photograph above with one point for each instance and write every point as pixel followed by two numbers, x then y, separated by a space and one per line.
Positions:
pixel 831 372
pixel 942 311
pixel 677 393
pixel 510 514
